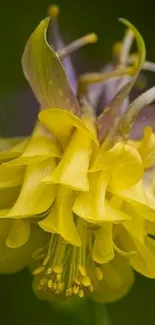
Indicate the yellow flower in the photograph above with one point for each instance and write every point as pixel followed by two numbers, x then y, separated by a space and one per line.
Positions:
pixel 79 198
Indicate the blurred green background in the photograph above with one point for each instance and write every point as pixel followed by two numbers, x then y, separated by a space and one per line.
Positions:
pixel 18 109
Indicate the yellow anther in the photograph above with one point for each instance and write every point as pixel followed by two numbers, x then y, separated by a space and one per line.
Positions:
pixel 49 271
pixel 50 284
pixel 43 281
pixel 53 11
pixel 57 269
pixel 82 270
pixel 77 281
pixel 76 290
pixel 75 45
pixel 81 293
pixel 58 277
pixel 38 270
pixel 91 289
pixel 86 281
pixel 116 49
pixel 70 291
pixel 46 260
pixel 91 38
pixel 59 286
pixel 55 286
pixel 99 274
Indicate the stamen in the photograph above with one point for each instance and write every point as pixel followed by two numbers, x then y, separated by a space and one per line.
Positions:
pixel 126 46
pixel 82 270
pixel 99 274
pixel 64 267
pixel 75 45
pixel 53 11
pixel 38 270
pixel 149 66
pixel 92 78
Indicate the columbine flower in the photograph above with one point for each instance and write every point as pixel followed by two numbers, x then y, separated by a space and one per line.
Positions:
pixel 79 180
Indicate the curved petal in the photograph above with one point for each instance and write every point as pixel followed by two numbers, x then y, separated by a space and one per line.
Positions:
pixel 138 194
pixel 15 151
pixel 15 259
pixel 45 73
pixel 103 246
pixel 19 233
pixel 8 196
pixel 73 168
pixel 122 162
pixel 35 196
pixel 147 148
pixel 10 177
pixel 118 279
pixel 60 219
pixel 92 205
pixel 41 146
pixel 61 124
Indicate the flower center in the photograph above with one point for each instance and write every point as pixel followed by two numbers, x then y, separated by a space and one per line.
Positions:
pixel 64 268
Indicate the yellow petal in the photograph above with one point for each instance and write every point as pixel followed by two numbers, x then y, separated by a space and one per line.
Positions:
pixel 15 259
pixel 73 167
pixel 144 212
pixel 150 227
pixel 103 245
pixel 91 205
pixel 144 261
pixel 129 170
pixel 118 279
pixel 19 233
pixel 60 219
pixel 41 146
pixel 136 226
pixel 45 73
pixel 147 147
pixel 35 196
pixel 138 194
pixel 9 143
pixel 61 123
pixel 114 214
pixel 10 177
pixel 15 151
pixel 123 163
pixel 8 196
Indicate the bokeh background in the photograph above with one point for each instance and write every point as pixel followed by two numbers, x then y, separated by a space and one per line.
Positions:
pixel 18 109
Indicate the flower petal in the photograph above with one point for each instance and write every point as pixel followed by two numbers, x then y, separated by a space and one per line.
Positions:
pixel 118 279
pixel 103 246
pixel 138 194
pixel 8 197
pixel 15 151
pixel 122 162
pixel 35 197
pixel 45 72
pixel 91 205
pixel 61 124
pixel 73 168
pixel 60 219
pixel 10 177
pixel 15 259
pixel 18 234
pixel 42 145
